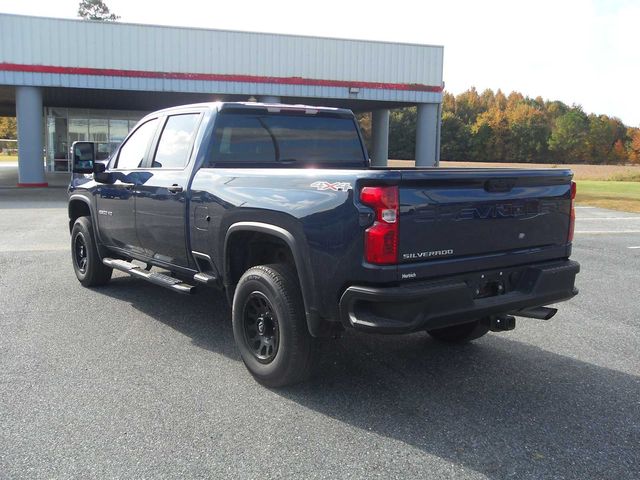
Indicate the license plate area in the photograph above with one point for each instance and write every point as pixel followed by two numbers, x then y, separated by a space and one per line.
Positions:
pixel 495 283
pixel 499 282
pixel 489 289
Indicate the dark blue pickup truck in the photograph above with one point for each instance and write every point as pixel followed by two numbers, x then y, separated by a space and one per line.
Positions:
pixel 278 207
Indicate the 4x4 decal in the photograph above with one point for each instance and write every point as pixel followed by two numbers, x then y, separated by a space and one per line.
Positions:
pixel 335 186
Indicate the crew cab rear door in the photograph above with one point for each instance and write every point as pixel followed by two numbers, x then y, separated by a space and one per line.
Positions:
pixel 161 209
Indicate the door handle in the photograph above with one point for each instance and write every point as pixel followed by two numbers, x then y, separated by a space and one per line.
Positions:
pixel 128 186
pixel 175 188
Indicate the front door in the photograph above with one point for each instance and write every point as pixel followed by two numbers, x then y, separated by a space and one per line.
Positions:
pixel 116 198
pixel 161 209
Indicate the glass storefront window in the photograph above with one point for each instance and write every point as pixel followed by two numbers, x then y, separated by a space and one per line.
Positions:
pixel 118 130
pixel 61 142
pixel 98 129
pixel 56 138
pixel 50 139
pixel 99 133
pixel 64 126
pixel 78 130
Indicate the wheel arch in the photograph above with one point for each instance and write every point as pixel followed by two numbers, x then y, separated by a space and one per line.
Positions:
pixel 299 257
pixel 80 206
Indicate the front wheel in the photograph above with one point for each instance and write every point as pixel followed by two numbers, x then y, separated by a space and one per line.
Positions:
pixel 87 265
pixel 269 326
pixel 462 333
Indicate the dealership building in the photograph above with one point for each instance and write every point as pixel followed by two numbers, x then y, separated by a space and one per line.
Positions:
pixel 67 80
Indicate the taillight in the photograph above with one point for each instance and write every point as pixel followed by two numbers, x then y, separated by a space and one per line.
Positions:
pixel 381 239
pixel 572 215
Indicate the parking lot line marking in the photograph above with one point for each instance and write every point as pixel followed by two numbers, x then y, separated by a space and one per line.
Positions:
pixel 589 232
pixel 608 218
pixel 633 248
pixel 33 249
pixel 581 206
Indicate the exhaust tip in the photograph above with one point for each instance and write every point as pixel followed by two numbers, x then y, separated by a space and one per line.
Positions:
pixel 540 313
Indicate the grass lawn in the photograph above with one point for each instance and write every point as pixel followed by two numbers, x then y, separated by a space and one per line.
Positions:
pixel 8 158
pixel 614 195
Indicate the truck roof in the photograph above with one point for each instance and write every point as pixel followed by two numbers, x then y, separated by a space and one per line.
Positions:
pixel 256 105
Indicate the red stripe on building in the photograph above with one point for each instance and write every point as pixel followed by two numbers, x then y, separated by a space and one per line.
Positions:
pixel 215 77
pixel 33 185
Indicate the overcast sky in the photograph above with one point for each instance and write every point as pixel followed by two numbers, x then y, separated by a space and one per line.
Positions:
pixel 579 51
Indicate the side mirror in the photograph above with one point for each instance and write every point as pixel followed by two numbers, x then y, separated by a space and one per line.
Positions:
pixel 99 175
pixel 84 156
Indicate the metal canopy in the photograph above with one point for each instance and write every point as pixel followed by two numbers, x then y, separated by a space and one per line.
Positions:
pixel 150 101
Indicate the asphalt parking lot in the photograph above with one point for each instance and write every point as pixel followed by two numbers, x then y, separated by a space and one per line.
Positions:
pixel 132 381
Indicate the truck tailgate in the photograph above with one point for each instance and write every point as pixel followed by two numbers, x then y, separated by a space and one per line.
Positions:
pixel 448 214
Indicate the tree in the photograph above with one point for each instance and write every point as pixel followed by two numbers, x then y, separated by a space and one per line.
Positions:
pixel 618 153
pixel 568 138
pixel 448 102
pixel 469 106
pixel 514 99
pixel 402 133
pixel 555 109
pixel 600 138
pixel 455 138
pixel 481 142
pixel 493 128
pixel 96 10
pixel 500 100
pixel 529 133
pixel 364 120
pixel 633 148
pixel 8 128
pixel 488 99
pixel 538 102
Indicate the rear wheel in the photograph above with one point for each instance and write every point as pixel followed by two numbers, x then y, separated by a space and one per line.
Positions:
pixel 462 333
pixel 269 326
pixel 87 265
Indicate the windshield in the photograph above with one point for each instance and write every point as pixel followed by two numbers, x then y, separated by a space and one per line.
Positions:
pixel 292 140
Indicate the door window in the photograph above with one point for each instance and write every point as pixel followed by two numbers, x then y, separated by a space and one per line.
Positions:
pixel 134 149
pixel 176 141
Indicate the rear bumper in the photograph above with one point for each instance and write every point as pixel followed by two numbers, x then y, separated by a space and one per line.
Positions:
pixel 457 299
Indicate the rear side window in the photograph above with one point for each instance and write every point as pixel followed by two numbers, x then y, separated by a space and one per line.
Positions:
pixel 134 149
pixel 292 140
pixel 176 141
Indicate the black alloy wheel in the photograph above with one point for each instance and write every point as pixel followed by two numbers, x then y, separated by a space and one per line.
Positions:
pixel 87 264
pixel 260 327
pixel 270 325
pixel 80 253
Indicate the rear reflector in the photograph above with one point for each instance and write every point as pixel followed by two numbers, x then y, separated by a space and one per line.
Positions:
pixel 572 215
pixel 381 239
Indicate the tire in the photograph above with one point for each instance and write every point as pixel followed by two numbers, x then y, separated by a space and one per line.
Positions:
pixel 462 333
pixel 270 328
pixel 87 265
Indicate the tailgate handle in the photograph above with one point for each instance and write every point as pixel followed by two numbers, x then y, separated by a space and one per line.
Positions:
pixel 499 184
